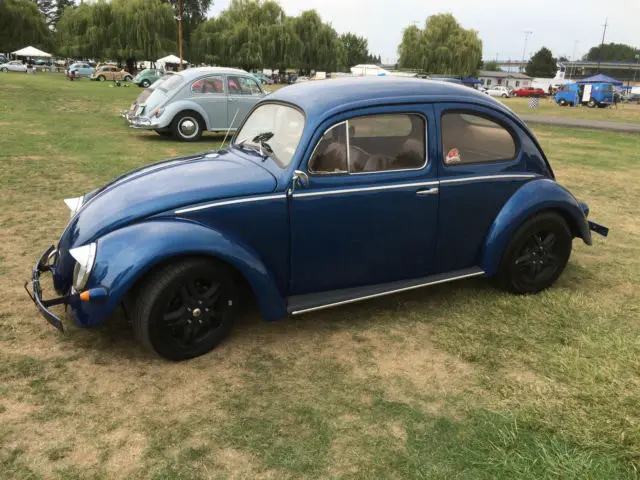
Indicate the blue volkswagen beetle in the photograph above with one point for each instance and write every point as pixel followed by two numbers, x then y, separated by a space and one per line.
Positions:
pixel 329 193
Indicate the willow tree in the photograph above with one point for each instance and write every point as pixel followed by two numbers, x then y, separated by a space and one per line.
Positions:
pixel 443 46
pixel 120 29
pixel 22 24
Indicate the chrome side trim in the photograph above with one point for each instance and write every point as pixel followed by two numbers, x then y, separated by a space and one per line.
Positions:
pixel 231 202
pixel 382 294
pixel 364 189
pixel 489 177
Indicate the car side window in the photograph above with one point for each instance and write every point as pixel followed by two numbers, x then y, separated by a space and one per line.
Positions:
pixel 385 142
pixel 330 155
pixel 250 86
pixel 208 85
pixel 471 138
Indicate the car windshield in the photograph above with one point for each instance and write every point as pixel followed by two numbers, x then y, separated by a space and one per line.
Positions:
pixel 170 83
pixel 274 130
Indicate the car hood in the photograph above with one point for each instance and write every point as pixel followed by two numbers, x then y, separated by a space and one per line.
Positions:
pixel 164 186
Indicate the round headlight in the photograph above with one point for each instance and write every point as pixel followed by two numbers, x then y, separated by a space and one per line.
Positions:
pixel 85 257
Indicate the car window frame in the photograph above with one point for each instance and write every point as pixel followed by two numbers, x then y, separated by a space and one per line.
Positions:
pixel 348 172
pixel 487 116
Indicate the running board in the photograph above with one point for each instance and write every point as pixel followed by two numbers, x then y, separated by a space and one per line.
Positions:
pixel 310 302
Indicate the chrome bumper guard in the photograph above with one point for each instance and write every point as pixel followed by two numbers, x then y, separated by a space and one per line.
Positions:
pixel 44 265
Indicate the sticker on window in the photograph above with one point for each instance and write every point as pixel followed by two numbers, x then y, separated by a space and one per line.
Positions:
pixel 453 156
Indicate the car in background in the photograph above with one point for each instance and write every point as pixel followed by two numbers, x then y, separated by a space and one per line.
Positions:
pixel 13 66
pixel 262 78
pixel 301 79
pixel 110 72
pixel 497 91
pixel 196 100
pixel 314 205
pixel 79 69
pixel 528 92
pixel 3 59
pixel 573 94
pixel 147 76
pixel 146 93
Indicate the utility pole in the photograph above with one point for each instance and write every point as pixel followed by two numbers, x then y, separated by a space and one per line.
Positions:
pixel 573 58
pixel 602 42
pixel 526 36
pixel 180 31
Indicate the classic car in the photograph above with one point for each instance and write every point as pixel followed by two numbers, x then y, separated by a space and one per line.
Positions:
pixel 195 100
pixel 146 93
pixel 147 76
pixel 592 94
pixel 497 91
pixel 262 78
pixel 528 92
pixel 13 66
pixel 329 193
pixel 111 72
pixel 79 69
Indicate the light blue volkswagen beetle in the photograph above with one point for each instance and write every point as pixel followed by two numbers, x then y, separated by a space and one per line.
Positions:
pixel 330 193
pixel 197 100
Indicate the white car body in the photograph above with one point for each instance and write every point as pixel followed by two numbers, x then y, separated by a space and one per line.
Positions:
pixel 13 66
pixel 497 91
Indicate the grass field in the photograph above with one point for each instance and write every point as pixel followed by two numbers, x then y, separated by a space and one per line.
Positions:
pixel 455 381
pixel 624 112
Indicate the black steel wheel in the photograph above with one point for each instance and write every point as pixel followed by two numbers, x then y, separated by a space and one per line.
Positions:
pixel 537 254
pixel 186 308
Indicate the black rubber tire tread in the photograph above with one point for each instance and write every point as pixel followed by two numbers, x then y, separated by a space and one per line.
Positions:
pixel 524 232
pixel 152 288
pixel 178 117
pixel 145 83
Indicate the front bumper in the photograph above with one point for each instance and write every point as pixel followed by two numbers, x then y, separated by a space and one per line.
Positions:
pixel 44 264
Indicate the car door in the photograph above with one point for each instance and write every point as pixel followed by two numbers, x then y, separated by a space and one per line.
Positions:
pixel 208 92
pixel 243 93
pixel 481 164
pixel 368 213
pixel 15 67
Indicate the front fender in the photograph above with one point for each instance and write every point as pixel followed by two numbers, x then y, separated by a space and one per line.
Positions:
pixel 125 255
pixel 533 197
pixel 173 108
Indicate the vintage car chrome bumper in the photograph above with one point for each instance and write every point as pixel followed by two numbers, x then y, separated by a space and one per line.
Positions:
pixel 44 264
pixel 137 122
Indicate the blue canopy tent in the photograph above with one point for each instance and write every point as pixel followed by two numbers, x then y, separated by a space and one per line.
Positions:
pixel 471 81
pixel 601 78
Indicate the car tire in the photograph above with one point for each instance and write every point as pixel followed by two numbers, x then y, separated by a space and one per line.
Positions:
pixel 145 83
pixel 562 103
pixel 101 78
pixel 187 126
pixel 514 94
pixel 5 69
pixel 592 103
pixel 504 95
pixel 128 78
pixel 536 255
pixel 185 309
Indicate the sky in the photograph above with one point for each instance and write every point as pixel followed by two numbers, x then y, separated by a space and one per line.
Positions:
pixel 501 24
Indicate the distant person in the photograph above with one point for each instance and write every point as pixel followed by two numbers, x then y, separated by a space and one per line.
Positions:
pixel 550 90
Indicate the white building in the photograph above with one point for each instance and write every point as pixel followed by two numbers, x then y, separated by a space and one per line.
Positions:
pixel 507 79
pixel 363 70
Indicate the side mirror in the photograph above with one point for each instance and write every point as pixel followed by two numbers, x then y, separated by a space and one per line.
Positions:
pixel 300 178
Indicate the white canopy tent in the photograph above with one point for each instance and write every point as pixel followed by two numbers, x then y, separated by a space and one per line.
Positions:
pixel 172 59
pixel 31 52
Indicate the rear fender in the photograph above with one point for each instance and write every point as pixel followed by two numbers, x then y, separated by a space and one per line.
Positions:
pixel 174 108
pixel 126 255
pixel 532 198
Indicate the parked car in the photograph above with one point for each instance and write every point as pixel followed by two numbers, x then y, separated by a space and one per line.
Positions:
pixel 110 72
pixel 147 76
pixel 80 69
pixel 3 59
pixel 262 78
pixel 497 91
pixel 301 79
pixel 13 66
pixel 528 92
pixel 572 94
pixel 196 100
pixel 315 205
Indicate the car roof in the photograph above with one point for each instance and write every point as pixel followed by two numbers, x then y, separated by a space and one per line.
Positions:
pixel 323 98
pixel 197 71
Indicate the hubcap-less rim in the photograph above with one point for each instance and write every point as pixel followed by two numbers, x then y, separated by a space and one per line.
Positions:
pixel 188 127
pixel 538 260
pixel 195 311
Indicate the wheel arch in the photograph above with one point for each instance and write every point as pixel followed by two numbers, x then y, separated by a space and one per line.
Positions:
pixel 531 199
pixel 184 106
pixel 127 256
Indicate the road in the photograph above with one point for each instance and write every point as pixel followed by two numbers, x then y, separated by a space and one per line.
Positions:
pixel 582 123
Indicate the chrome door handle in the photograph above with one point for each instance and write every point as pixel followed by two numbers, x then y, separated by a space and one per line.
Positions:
pixel 428 191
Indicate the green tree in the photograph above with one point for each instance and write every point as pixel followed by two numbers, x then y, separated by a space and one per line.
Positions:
pixel 443 46
pixel 356 50
pixel 542 64
pixel 194 12
pixel 612 52
pixel 22 24
pixel 491 66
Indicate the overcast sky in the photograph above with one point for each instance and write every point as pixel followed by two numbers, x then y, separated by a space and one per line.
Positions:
pixel 501 24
